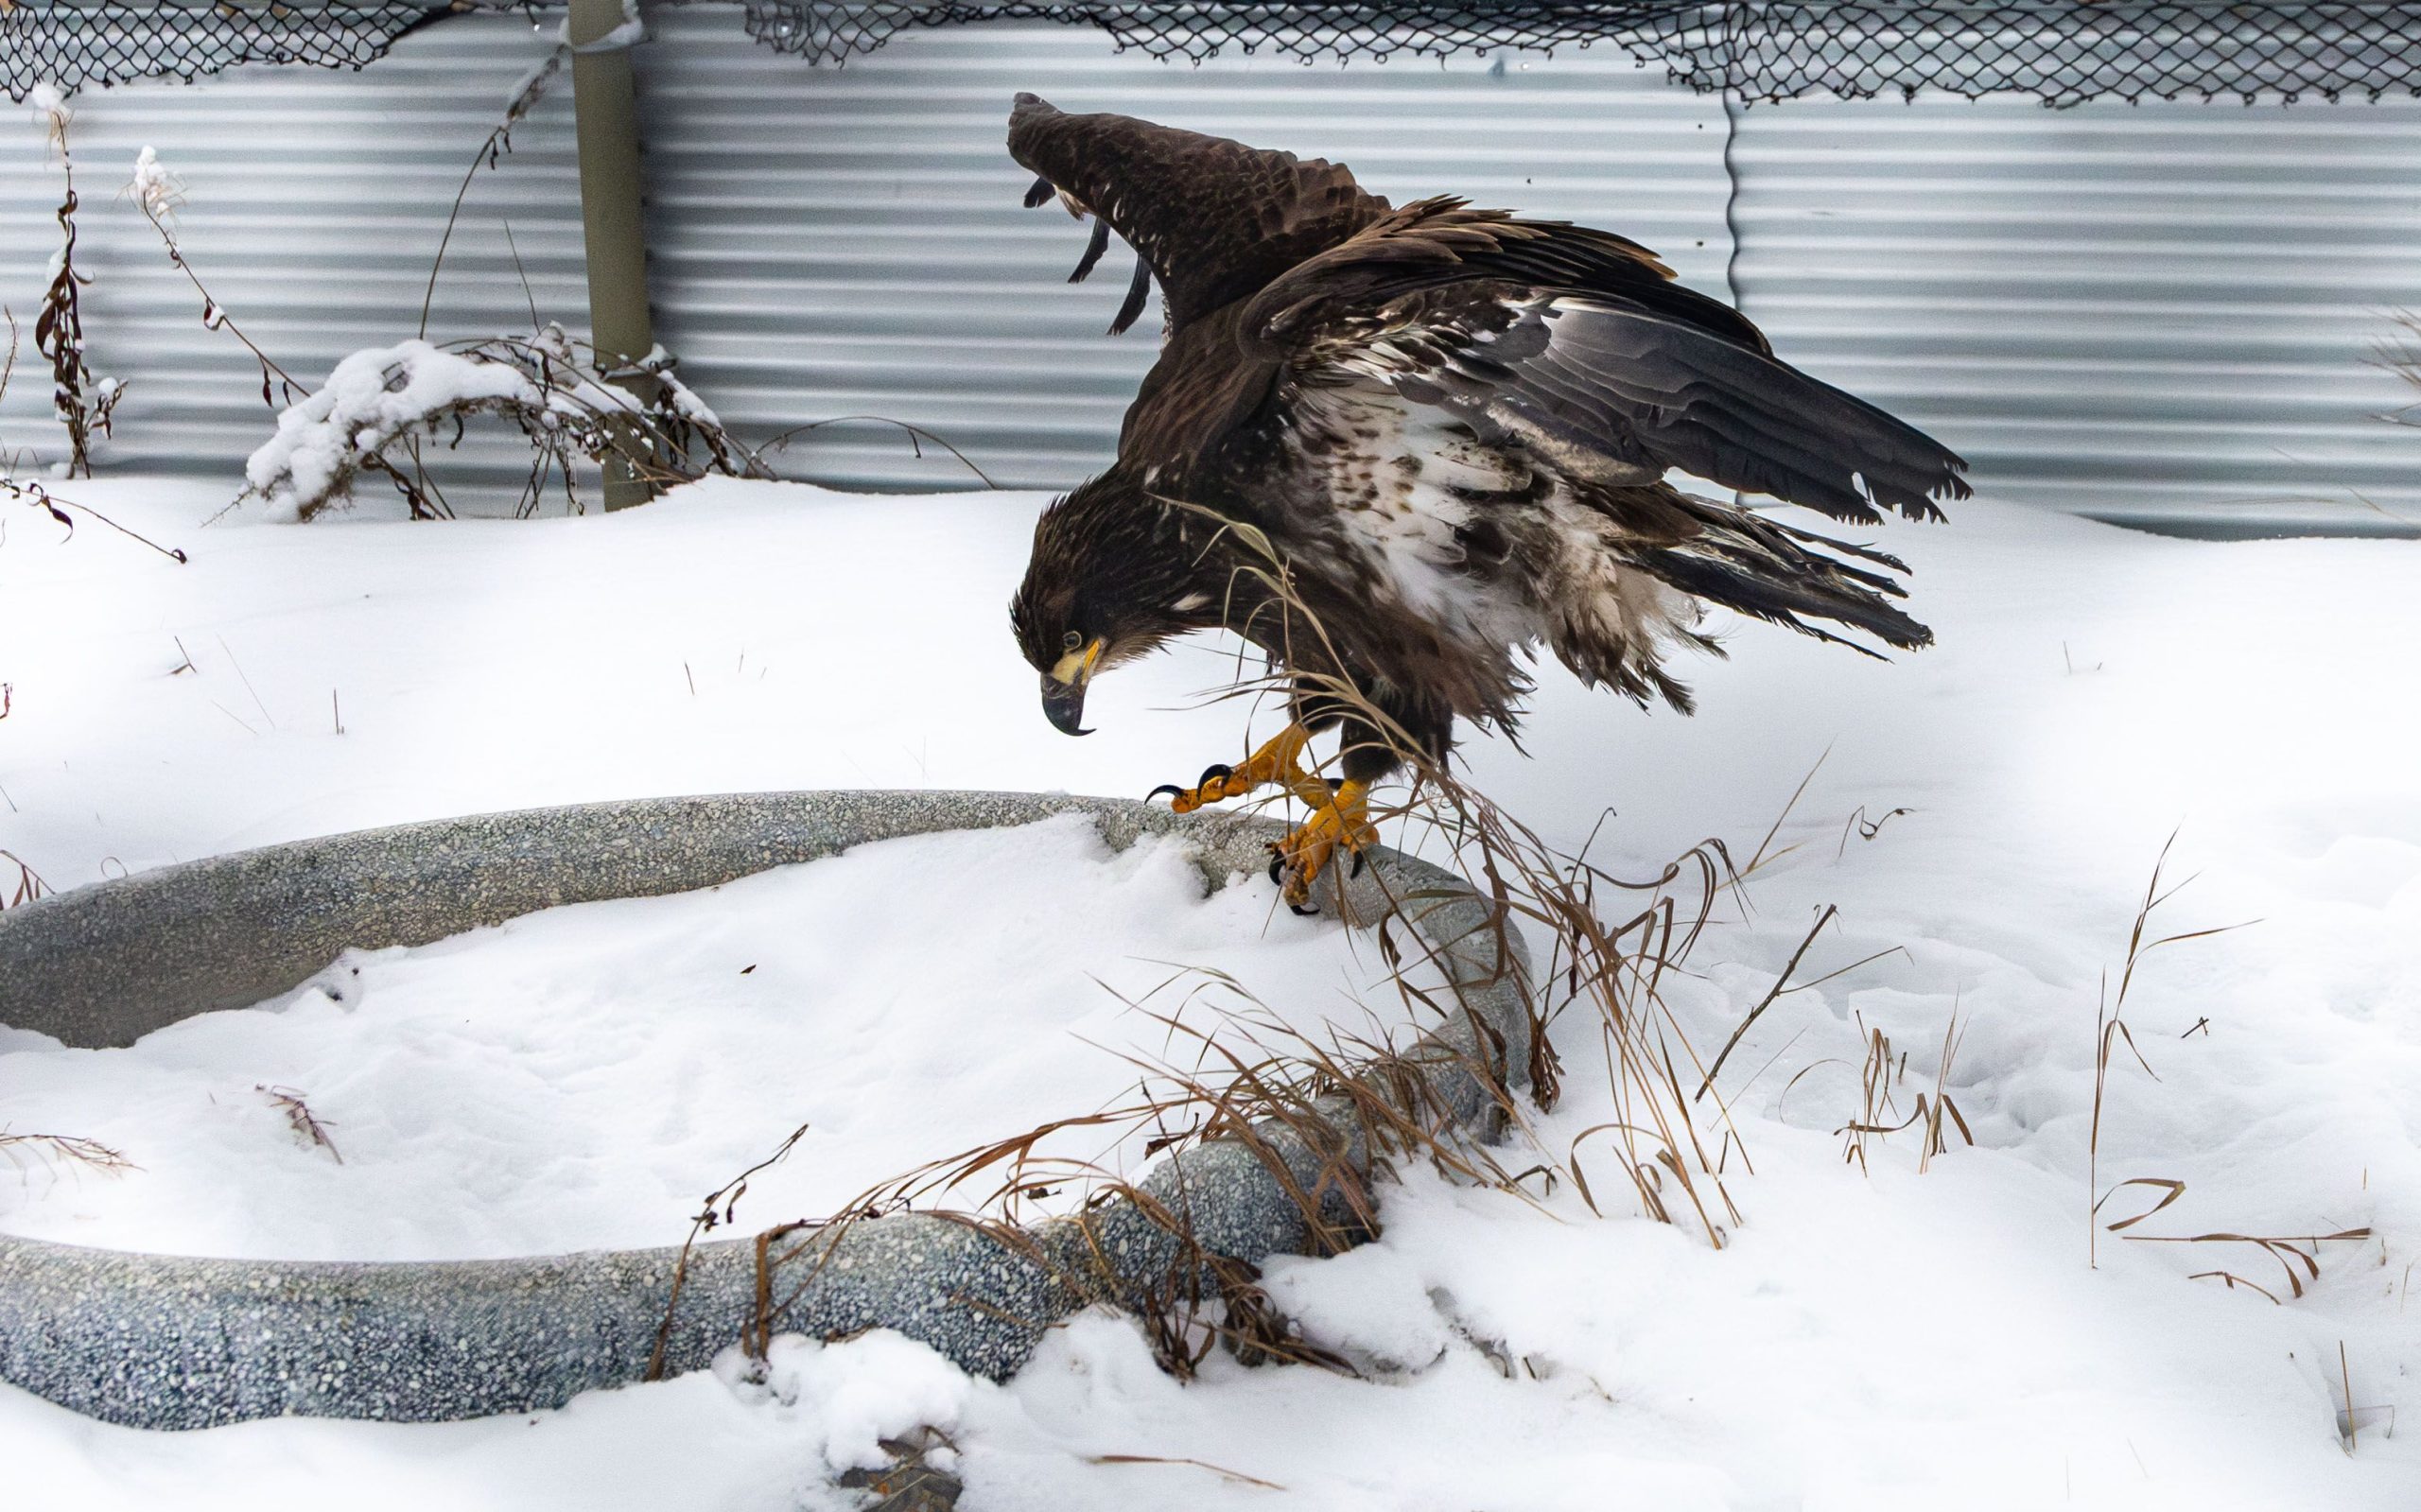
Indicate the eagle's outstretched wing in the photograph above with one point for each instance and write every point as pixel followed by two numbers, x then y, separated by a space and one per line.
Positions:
pixel 1215 220
pixel 1579 345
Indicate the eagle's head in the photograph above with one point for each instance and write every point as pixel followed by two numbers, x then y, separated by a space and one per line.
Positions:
pixel 1111 579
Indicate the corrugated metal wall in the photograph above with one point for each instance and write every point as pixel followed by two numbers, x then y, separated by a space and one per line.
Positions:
pixel 2159 312
pixel 826 242
pixel 316 200
pixel 846 241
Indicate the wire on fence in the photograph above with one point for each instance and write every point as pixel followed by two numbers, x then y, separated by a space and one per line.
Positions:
pixel 2062 52
pixel 77 43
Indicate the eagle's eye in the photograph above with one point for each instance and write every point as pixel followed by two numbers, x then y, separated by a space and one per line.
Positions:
pixel 1072 640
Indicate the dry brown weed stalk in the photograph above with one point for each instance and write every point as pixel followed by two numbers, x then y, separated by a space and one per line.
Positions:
pixel 1329 1119
pixel 2111 1030
pixel 68 1148
pixel 83 402
pixel 2297 1255
pixel 307 1126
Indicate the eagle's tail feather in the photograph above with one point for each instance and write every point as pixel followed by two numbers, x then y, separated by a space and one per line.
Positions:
pixel 1772 572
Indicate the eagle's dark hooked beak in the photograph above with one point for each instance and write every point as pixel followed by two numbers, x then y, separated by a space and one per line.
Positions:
pixel 1063 704
pixel 1063 689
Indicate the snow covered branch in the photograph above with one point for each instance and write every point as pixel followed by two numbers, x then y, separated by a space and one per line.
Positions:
pixel 548 385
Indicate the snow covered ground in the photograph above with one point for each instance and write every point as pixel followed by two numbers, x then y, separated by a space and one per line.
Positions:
pixel 576 1079
pixel 1878 1339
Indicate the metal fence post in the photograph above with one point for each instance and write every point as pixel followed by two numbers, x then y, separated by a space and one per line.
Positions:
pixel 613 229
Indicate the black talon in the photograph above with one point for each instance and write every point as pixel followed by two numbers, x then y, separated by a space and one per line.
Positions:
pixel 1306 912
pixel 1168 788
pixel 1041 189
pixel 1277 863
pixel 1358 861
pixel 1216 771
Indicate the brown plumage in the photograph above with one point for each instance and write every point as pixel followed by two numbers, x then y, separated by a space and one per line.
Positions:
pixel 1454 425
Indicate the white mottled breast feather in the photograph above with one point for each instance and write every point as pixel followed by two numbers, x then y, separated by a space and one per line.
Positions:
pixel 1400 477
pixel 1392 478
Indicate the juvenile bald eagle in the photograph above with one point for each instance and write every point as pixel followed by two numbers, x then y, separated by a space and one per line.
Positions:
pixel 1451 427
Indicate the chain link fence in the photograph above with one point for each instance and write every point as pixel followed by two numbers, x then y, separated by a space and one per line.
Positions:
pixel 2063 52
pixel 76 44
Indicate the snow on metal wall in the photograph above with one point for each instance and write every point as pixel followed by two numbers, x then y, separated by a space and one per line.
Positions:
pixel 315 204
pixel 830 242
pixel 2150 312
pixel 825 242
pixel 2156 313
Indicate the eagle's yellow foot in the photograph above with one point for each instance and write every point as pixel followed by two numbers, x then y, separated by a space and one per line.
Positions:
pixel 1280 760
pixel 1218 783
pixel 1343 819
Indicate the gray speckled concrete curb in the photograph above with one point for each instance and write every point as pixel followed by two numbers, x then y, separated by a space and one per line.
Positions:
pixel 170 1341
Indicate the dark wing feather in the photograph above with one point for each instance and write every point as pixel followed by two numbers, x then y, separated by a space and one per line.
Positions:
pixel 1630 382
pixel 1439 244
pixel 1094 248
pixel 1579 344
pixel 1138 288
pixel 1216 220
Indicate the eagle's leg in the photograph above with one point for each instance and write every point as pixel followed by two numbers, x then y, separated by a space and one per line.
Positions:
pixel 1341 818
pixel 1280 759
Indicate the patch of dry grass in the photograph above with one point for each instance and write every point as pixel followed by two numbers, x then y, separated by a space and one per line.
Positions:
pixel 2297 1255
pixel 1331 1118
pixel 63 1149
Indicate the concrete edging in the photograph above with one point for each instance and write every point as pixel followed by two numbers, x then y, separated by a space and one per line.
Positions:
pixel 172 1342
